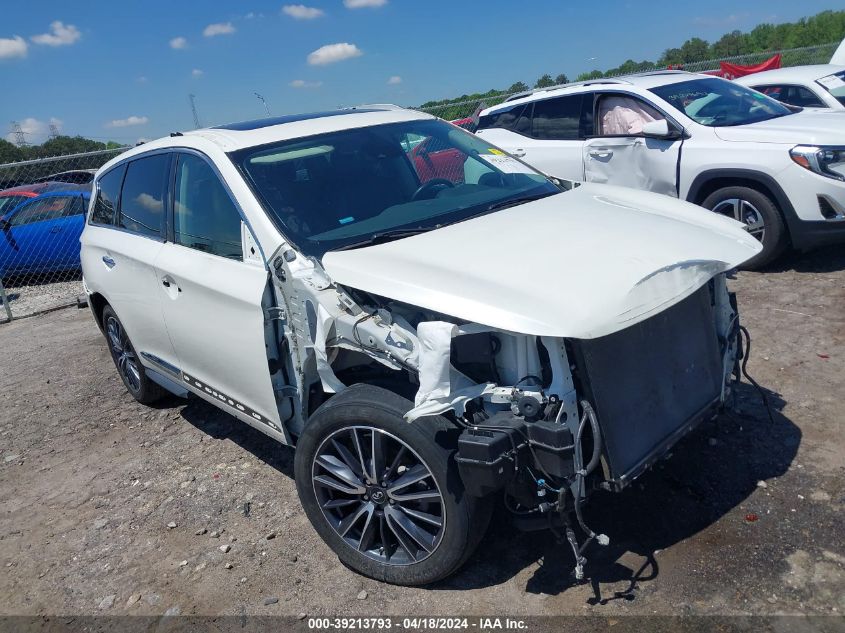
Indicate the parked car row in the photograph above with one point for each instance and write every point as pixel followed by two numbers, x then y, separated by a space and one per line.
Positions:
pixel 41 225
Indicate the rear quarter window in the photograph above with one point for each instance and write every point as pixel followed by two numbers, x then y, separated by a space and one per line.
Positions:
pixel 108 192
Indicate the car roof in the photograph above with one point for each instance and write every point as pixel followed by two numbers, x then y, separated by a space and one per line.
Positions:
pixel 235 136
pixel 805 74
pixel 645 81
pixel 35 189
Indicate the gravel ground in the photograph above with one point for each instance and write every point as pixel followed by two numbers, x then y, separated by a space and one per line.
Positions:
pixel 38 296
pixel 110 507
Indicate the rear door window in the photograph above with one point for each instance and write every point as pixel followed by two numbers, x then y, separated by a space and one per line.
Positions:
pixel 557 119
pixel 45 209
pixel 108 192
pixel 142 199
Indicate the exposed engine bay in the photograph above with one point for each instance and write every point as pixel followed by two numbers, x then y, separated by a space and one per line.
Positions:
pixel 545 420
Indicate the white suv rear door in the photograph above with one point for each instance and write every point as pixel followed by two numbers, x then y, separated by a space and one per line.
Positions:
pixel 120 246
pixel 546 134
pixel 619 154
pixel 211 296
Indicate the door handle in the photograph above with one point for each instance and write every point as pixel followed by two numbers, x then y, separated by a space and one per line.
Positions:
pixel 109 262
pixel 601 153
pixel 56 229
pixel 519 153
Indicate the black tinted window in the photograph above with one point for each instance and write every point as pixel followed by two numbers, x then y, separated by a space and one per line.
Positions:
pixel 793 95
pixel 557 119
pixel 109 191
pixel 204 216
pixel 142 200
pixel 506 119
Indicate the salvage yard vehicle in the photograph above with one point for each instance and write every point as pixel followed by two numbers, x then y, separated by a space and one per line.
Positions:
pixel 820 87
pixel 427 346
pixel 41 234
pixel 695 137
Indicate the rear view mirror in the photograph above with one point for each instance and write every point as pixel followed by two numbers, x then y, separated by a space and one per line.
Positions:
pixel 657 129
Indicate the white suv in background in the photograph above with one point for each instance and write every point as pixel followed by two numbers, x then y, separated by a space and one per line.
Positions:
pixel 699 138
pixel 431 322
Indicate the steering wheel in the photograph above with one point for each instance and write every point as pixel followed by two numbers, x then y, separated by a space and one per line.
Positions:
pixel 429 186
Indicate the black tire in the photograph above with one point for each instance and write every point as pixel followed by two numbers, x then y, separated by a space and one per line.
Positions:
pixel 126 361
pixel 775 237
pixel 433 442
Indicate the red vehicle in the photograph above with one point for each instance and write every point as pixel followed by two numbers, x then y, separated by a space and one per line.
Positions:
pixel 433 159
pixel 10 198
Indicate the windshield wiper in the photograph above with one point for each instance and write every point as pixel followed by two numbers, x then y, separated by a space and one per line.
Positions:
pixel 513 202
pixel 385 236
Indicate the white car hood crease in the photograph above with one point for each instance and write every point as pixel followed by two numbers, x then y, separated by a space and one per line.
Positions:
pixel 580 264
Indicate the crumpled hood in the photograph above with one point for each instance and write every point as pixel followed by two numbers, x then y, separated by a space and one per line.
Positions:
pixel 807 128
pixel 580 264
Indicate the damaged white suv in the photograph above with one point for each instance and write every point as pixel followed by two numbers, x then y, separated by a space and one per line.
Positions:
pixel 432 323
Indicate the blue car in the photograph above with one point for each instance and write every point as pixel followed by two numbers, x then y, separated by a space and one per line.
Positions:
pixel 41 235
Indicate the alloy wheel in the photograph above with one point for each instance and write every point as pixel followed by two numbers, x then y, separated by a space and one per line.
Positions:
pixel 123 354
pixel 378 495
pixel 745 212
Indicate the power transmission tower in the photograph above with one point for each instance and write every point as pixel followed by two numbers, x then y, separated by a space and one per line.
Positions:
pixel 192 99
pixel 54 130
pixel 20 135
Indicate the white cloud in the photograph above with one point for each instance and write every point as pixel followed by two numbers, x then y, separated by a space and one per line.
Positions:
pixel 196 72
pixel 60 34
pixel 221 28
pixel 395 80
pixel 301 83
pixel 128 121
pixel 12 47
pixel 301 12
pixel 178 43
pixel 35 131
pixel 142 79
pixel 331 53
pixel 249 15
pixel 363 4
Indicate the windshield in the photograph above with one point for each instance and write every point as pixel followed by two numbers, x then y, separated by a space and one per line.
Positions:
pixel 340 189
pixel 835 85
pixel 719 103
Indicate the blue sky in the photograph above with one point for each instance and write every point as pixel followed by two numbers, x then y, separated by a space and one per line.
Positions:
pixel 116 70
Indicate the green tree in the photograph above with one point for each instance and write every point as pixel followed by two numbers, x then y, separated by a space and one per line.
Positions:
pixel 10 153
pixel 561 79
pixel 545 81
pixel 519 86
pixel 731 44
pixel 695 50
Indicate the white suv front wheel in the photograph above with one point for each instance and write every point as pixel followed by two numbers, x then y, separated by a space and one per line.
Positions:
pixel 759 213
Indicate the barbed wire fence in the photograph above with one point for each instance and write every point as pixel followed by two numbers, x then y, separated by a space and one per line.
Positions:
pixel 43 203
pixel 463 109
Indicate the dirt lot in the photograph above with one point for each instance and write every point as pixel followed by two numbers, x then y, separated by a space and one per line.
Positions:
pixel 110 507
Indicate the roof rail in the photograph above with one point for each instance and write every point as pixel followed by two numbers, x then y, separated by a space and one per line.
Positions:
pixel 588 82
pixel 662 71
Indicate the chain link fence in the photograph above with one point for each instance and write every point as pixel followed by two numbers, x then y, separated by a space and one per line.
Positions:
pixel 460 110
pixel 42 213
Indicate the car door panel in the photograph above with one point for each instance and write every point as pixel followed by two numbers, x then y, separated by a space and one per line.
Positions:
pixel 212 299
pixel 631 160
pixel 119 264
pixel 212 307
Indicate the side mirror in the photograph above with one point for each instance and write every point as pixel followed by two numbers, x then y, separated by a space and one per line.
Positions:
pixel 5 225
pixel 657 129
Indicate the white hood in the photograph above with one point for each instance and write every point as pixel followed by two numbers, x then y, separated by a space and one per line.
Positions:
pixel 580 264
pixel 801 128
